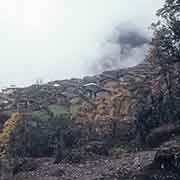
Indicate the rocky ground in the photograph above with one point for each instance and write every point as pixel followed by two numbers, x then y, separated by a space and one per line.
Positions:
pixel 110 168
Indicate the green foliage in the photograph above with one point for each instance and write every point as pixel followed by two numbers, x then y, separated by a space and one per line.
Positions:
pixel 36 137
pixel 166 44
pixel 167 32
pixel 58 110
pixel 40 115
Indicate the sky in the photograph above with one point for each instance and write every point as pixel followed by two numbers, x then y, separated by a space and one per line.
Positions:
pixel 57 39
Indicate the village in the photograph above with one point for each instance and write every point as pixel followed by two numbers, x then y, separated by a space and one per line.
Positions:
pixel 37 97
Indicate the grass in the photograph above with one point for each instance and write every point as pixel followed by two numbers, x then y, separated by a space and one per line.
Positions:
pixel 58 110
pixel 41 115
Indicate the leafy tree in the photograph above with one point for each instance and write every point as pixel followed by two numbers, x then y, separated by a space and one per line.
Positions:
pixel 167 32
pixel 166 50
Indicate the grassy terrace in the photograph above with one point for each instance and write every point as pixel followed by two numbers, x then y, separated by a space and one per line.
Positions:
pixel 56 110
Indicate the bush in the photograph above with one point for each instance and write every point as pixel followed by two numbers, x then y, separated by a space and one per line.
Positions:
pixel 34 137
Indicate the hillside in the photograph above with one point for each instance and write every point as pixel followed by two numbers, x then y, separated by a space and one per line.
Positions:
pixel 109 126
pixel 121 124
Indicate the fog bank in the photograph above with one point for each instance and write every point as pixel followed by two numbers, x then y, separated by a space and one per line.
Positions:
pixel 57 39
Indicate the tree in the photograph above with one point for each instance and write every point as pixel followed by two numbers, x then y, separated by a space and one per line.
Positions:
pixel 167 32
pixel 166 43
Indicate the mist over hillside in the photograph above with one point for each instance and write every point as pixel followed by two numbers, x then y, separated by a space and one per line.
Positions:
pixel 52 39
pixel 126 47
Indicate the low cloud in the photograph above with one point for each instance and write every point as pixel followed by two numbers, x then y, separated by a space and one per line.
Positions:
pixel 126 47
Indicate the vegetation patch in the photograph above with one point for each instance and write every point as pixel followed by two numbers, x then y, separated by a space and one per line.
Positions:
pixel 74 109
pixel 58 110
pixel 36 136
pixel 8 128
pixel 40 115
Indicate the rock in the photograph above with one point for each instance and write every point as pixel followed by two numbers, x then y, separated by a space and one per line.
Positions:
pixel 97 147
pixel 165 166
pixel 24 165
pixel 165 159
pixel 74 156
pixel 6 170
pixel 57 173
pixel 158 135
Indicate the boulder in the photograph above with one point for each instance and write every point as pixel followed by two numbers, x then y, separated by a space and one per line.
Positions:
pixel 165 166
pixel 97 147
pixel 158 135
pixel 24 165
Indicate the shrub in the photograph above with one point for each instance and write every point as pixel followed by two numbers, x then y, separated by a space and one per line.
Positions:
pixel 34 137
